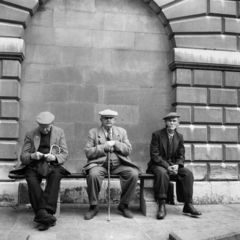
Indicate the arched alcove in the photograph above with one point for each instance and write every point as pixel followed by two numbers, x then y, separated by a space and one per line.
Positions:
pixel 204 63
pixel 92 56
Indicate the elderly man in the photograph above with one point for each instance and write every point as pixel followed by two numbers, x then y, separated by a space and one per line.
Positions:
pixel 43 153
pixel 167 163
pixel 101 140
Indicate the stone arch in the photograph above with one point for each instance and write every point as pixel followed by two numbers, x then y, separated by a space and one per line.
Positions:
pixel 205 64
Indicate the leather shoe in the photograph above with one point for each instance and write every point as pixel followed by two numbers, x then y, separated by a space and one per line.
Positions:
pixel 123 208
pixel 93 210
pixel 188 208
pixel 161 211
pixel 44 217
pixel 44 226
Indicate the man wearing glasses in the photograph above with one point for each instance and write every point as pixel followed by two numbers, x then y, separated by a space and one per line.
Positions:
pixel 167 154
pixel 102 140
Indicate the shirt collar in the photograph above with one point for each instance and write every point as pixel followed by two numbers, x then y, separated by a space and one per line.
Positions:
pixel 105 131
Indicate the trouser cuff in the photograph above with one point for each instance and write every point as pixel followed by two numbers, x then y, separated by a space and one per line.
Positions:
pixel 161 196
pixel 94 203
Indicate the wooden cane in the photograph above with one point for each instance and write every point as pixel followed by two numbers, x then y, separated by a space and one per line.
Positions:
pixel 108 157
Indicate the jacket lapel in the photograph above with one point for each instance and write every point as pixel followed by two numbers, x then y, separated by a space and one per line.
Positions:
pixel 53 136
pixel 175 141
pixel 115 134
pixel 101 135
pixel 37 139
pixel 165 140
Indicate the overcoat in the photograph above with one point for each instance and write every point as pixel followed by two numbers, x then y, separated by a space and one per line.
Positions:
pixel 31 145
pixel 159 149
pixel 94 148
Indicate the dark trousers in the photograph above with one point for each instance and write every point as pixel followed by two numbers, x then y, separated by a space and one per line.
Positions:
pixel 184 183
pixel 128 180
pixel 46 199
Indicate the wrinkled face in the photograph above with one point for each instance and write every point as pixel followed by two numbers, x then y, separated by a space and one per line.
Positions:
pixel 172 123
pixel 107 121
pixel 45 128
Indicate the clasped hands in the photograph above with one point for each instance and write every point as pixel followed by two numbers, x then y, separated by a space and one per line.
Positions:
pixel 109 146
pixel 173 169
pixel 37 156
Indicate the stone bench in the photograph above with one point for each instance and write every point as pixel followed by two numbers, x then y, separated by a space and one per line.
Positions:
pixel 148 205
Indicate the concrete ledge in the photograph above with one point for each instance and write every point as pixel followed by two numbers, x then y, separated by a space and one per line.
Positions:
pixel 206 234
pixel 74 192
pixel 9 193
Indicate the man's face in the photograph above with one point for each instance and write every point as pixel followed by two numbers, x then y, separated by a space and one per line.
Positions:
pixel 172 123
pixel 45 128
pixel 107 121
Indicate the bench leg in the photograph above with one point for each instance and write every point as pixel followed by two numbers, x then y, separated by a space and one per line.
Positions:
pixel 148 205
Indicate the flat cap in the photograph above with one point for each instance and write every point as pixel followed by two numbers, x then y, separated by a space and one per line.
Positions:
pixel 108 113
pixel 171 115
pixel 45 118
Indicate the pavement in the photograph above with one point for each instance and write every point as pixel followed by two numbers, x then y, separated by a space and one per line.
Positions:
pixel 217 222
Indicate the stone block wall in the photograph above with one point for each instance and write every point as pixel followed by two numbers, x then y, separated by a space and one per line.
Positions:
pixel 86 56
pixel 141 58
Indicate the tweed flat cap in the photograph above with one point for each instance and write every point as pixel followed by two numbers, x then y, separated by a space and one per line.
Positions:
pixel 45 118
pixel 171 115
pixel 108 113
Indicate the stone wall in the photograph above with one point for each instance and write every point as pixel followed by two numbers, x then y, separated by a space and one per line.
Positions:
pixel 86 56
pixel 141 58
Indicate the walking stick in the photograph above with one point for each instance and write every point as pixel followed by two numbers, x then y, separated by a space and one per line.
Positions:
pixel 108 157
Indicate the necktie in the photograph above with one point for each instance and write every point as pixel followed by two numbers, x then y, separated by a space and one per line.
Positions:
pixel 170 146
pixel 170 139
pixel 109 135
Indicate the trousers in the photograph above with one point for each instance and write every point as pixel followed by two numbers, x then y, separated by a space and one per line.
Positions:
pixel 128 180
pixel 184 183
pixel 46 199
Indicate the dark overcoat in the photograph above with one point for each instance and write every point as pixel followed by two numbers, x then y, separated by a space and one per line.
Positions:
pixel 159 149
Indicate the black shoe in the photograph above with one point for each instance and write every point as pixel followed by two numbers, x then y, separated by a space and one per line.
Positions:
pixel 123 208
pixel 188 208
pixel 44 226
pixel 44 217
pixel 161 211
pixel 93 210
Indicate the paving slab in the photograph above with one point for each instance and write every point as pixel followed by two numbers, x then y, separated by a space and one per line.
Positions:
pixel 218 222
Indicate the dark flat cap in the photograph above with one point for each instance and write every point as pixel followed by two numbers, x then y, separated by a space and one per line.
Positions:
pixel 171 115
pixel 45 118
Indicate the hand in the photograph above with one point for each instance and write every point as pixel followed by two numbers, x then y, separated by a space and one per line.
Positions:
pixel 173 169
pixel 50 157
pixel 36 156
pixel 110 143
pixel 108 147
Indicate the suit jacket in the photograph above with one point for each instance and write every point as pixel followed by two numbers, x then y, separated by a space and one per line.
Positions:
pixel 94 148
pixel 31 145
pixel 159 149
